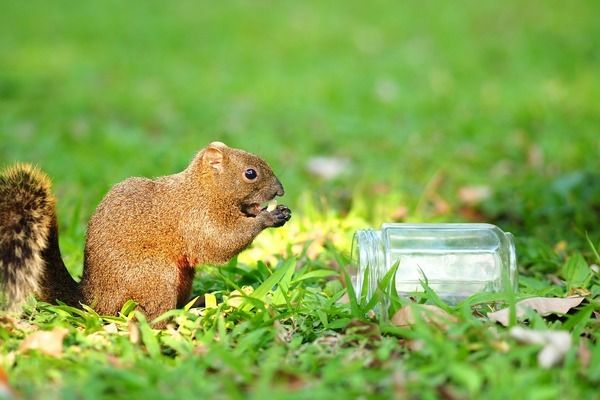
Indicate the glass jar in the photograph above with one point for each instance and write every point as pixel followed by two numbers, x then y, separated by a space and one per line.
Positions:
pixel 457 260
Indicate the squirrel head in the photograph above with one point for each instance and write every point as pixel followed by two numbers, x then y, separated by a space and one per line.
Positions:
pixel 237 176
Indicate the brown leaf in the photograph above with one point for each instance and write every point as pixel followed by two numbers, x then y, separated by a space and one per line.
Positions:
pixel 431 314
pixel 11 324
pixel 472 214
pixel 111 328
pixel 584 354
pixel 560 247
pixel 291 380
pixel 344 299
pixel 474 195
pixel 501 346
pixel 555 343
pixel 134 331
pixel 448 392
pixel 328 168
pixel 6 391
pixel 440 205
pixel 535 156
pixel 400 214
pixel 364 328
pixel 541 305
pixel 47 342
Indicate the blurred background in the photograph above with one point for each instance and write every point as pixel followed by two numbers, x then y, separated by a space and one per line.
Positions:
pixel 380 111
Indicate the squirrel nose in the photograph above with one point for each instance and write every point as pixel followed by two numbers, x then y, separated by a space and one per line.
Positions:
pixel 279 186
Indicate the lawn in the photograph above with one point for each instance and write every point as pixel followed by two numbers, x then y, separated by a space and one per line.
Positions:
pixel 462 111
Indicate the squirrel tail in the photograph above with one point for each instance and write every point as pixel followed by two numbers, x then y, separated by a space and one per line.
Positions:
pixel 30 260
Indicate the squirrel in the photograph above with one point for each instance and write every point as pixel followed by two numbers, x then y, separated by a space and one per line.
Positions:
pixel 145 237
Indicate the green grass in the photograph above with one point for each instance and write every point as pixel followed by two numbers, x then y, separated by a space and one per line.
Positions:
pixel 423 98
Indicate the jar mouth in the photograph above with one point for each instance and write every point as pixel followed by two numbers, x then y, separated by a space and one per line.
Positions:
pixel 356 268
pixel 366 260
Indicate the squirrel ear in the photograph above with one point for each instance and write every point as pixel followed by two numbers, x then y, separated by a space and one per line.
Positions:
pixel 217 144
pixel 213 157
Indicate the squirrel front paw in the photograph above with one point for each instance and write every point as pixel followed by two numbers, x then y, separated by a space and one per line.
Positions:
pixel 278 217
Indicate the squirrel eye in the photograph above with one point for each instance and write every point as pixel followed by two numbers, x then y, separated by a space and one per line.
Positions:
pixel 250 174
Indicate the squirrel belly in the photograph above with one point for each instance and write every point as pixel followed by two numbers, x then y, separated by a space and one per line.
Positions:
pixel 145 237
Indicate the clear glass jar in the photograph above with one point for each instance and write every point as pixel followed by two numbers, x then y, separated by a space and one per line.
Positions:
pixel 458 260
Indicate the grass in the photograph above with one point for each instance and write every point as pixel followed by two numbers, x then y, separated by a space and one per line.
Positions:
pixel 423 98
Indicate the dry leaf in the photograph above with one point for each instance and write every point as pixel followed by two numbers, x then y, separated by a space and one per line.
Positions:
pixel 501 346
pixel 584 354
pixel 111 328
pixel 344 299
pixel 11 324
pixel 291 380
pixel 448 392
pixel 47 342
pixel 556 344
pixel 134 332
pixel 400 214
pixel 542 305
pixel 535 156
pixel 474 195
pixel 364 328
pixel 328 168
pixel 560 247
pixel 6 391
pixel 431 314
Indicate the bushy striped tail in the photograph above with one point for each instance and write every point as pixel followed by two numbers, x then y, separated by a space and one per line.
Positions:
pixel 27 217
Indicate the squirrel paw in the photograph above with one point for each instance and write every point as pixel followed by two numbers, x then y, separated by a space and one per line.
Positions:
pixel 279 216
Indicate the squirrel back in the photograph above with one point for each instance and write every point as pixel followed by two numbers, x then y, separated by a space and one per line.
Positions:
pixel 145 237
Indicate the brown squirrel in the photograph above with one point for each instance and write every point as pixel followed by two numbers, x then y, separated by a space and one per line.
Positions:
pixel 145 237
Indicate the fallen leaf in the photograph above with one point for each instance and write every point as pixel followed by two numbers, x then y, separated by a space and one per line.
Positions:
pixel 11 324
pixel 560 247
pixel 399 381
pixel 291 380
pixel 474 195
pixel 283 334
pixel 400 214
pixel 555 343
pixel 134 331
pixel 447 392
pixel 328 168
pixel 535 156
pixel 415 345
pixel 431 314
pixel 541 305
pixel 501 346
pixel 363 328
pixel 441 206
pixel 6 391
pixel 111 328
pixel 344 299
pixel 114 361
pixel 584 354
pixel 582 292
pixel 47 342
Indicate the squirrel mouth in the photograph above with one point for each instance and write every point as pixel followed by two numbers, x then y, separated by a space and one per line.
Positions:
pixel 253 209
